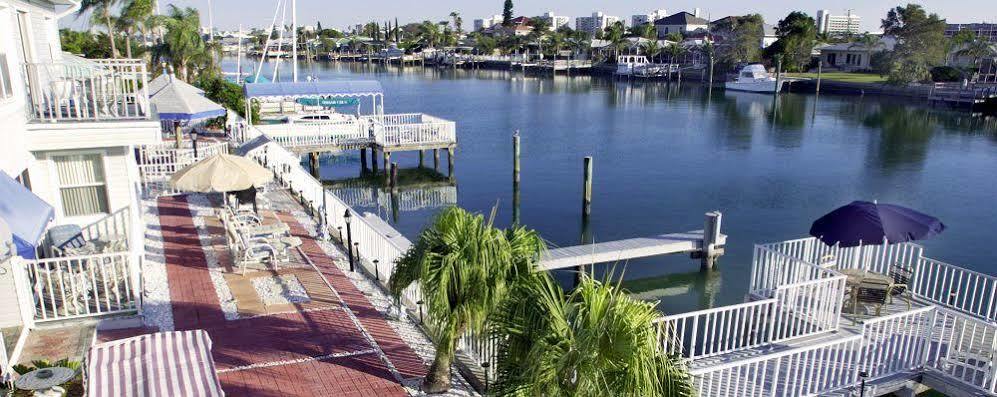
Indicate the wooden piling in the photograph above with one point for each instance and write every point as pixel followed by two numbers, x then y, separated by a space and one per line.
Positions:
pixel 394 176
pixel 450 153
pixel 778 74
pixel 820 66
pixel 387 162
pixel 422 153
pixel 587 188
pixel 313 161
pixel 436 159
pixel 373 160
pixel 515 178
pixel 363 159
pixel 711 236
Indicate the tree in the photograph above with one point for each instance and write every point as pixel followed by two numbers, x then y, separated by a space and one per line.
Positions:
pixel 101 12
pixel 457 22
pixel 182 45
pixel 594 341
pixel 485 44
pixel 866 42
pixel 675 50
pixel 920 43
pixel 465 268
pixel 507 13
pixel 742 37
pixel 797 35
pixel 318 26
pixel 429 33
pixel 651 49
pixel 136 15
pixel 674 37
pixel 645 30
pixel 614 34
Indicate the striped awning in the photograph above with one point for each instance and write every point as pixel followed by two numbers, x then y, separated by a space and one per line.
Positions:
pixel 163 364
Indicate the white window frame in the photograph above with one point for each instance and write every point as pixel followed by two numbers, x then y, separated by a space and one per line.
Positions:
pixel 57 184
pixel 7 91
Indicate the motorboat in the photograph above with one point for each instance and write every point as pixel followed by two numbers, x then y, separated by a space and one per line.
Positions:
pixel 754 78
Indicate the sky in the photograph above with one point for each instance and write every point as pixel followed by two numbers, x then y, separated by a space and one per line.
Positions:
pixel 228 14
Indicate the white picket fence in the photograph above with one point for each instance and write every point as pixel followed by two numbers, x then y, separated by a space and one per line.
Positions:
pixel 157 163
pixel 80 286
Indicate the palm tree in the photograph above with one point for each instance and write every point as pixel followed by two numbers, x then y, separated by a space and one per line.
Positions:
pixel 614 34
pixel 182 44
pixel 457 22
pixel 139 17
pixel 651 49
pixel 594 341
pixel 977 49
pixel 101 13
pixel 645 30
pixel 464 267
pixel 429 33
pixel 674 52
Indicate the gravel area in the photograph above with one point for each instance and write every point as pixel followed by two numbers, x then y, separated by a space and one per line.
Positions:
pixel 277 290
pixel 156 309
pixel 405 327
pixel 201 207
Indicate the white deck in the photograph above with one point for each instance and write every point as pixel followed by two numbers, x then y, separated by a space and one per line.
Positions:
pixel 622 250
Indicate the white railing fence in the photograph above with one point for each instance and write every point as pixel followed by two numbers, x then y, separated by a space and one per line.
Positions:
pixel 808 307
pixel 157 163
pixel 795 372
pixel 961 289
pixel 963 348
pixel 896 343
pixel 92 90
pixel 879 258
pixel 115 226
pixel 719 330
pixel 79 286
pixel 771 268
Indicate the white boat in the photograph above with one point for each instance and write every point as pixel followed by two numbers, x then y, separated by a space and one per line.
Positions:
pixel 754 78
pixel 639 66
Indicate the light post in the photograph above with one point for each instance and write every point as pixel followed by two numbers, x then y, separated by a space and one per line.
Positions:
pixel 193 140
pixel 349 237
pixel 862 375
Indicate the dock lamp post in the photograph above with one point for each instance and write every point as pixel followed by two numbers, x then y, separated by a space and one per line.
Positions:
pixel 349 238
pixel 862 375
pixel 193 141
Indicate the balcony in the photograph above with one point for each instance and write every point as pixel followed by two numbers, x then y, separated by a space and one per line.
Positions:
pixel 80 103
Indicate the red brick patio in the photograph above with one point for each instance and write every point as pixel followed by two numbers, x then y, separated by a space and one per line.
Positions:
pixel 319 352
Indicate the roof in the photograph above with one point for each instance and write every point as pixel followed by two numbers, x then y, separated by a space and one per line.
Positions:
pixel 886 43
pixel 26 214
pixel 177 363
pixel 157 84
pixel 314 88
pixel 179 102
pixel 681 18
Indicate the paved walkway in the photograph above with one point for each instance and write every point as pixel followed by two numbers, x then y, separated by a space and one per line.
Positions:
pixel 342 348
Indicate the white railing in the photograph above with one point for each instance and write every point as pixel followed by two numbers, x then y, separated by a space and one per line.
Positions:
pixel 113 227
pixel 385 130
pixel 961 289
pixel 771 268
pixel 963 348
pixel 877 258
pixel 795 372
pixel 81 286
pixel 412 129
pixel 808 307
pixel 896 343
pixel 92 90
pixel 710 332
pixel 417 199
pixel 157 163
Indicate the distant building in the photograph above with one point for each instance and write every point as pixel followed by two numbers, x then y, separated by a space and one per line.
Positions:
pixel 485 23
pixel 851 56
pixel 986 31
pixel 640 19
pixel 555 21
pixel 682 22
pixel 595 23
pixel 769 35
pixel 837 24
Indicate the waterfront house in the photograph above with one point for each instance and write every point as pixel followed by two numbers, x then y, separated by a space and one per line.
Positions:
pixel 852 56
pixel 682 22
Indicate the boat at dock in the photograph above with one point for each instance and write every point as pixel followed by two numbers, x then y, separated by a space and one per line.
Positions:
pixel 754 78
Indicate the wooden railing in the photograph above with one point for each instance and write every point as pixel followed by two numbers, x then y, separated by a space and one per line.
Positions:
pixel 794 372
pixel 80 286
pixel 92 90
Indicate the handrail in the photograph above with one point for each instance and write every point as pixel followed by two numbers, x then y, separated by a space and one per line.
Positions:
pixel 769 356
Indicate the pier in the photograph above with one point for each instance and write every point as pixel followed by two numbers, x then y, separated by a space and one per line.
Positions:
pixel 622 250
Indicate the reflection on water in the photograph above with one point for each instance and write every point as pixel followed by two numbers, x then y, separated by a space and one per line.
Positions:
pixel 665 154
pixel 418 189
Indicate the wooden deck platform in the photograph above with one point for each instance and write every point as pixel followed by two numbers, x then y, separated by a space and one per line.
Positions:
pixel 621 250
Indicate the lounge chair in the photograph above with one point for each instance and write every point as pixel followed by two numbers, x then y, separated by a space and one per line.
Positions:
pixel 872 292
pixel 901 276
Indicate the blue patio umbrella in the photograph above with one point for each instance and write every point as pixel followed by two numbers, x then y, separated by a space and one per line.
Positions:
pixel 863 222
pixel 26 214
pixel 179 101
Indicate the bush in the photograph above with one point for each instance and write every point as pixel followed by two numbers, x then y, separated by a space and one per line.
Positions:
pixel 226 93
pixel 946 73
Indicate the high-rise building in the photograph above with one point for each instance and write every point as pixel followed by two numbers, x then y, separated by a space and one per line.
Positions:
pixel 555 20
pixel 640 19
pixel 597 22
pixel 485 23
pixel 986 31
pixel 837 24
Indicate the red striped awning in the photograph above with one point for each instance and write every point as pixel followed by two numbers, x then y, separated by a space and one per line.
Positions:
pixel 155 365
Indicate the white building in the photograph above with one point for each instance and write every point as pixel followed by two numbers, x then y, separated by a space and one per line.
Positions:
pixel 640 19
pixel 837 24
pixel 682 22
pixel 595 23
pixel 69 127
pixel 555 20
pixel 485 23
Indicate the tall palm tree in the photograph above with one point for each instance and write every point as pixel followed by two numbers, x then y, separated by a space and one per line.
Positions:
pixel 138 16
pixel 182 44
pixel 978 49
pixel 674 52
pixel 614 34
pixel 651 49
pixel 645 30
pixel 101 13
pixel 429 33
pixel 593 341
pixel 457 22
pixel 464 267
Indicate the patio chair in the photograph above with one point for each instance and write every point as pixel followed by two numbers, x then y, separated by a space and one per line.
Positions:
pixel 254 250
pixel 901 276
pixel 872 292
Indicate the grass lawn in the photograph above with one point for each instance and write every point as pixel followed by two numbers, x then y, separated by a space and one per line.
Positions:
pixel 843 76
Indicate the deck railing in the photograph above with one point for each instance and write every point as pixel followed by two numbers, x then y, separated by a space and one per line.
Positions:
pixel 772 268
pixel 91 90
pixel 963 349
pixel 116 226
pixel 954 287
pixel 720 330
pixel 808 307
pixel 896 343
pixel 157 163
pixel 79 286
pixel 795 372
pixel 412 129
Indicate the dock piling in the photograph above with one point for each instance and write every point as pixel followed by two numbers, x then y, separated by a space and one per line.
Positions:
pixel 422 154
pixel 387 161
pixel 515 178
pixel 587 188
pixel 711 236
pixel 394 176
pixel 313 161
pixel 363 160
pixel 820 66
pixel 436 160
pixel 373 160
pixel 450 153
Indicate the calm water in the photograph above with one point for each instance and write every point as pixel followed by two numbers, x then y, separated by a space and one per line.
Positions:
pixel 665 155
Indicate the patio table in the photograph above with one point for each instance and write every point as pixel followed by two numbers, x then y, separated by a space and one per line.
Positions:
pixel 855 277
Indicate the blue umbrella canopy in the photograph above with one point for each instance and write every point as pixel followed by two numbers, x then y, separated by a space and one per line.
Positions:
pixel 26 215
pixel 863 222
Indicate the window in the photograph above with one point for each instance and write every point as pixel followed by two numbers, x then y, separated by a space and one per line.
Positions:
pixel 81 184
pixel 6 88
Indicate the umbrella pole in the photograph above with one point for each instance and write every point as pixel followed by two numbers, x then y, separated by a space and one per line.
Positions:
pixel 177 133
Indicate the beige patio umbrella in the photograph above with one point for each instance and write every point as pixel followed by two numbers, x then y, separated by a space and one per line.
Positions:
pixel 221 173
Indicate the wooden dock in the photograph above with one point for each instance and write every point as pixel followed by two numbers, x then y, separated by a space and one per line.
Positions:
pixel 622 250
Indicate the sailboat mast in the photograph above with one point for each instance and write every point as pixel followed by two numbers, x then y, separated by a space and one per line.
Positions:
pixel 238 59
pixel 294 40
